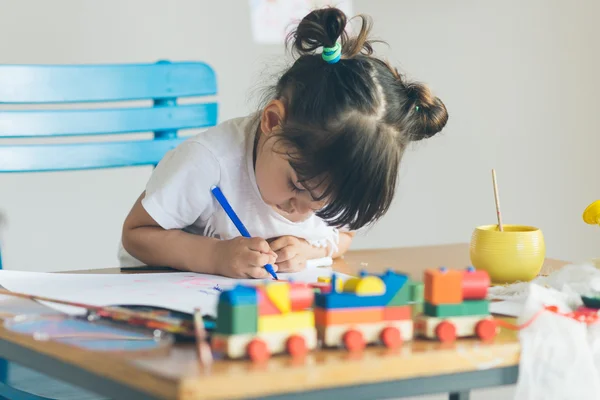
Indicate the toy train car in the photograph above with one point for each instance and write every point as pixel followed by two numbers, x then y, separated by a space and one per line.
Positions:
pixel 257 321
pixel 455 305
pixel 370 309
pixel 285 317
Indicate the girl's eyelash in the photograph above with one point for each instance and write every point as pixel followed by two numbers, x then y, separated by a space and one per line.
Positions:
pixel 294 188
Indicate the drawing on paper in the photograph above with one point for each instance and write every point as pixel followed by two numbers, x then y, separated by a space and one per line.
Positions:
pixel 179 291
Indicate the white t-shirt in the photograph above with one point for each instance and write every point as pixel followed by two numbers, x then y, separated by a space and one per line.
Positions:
pixel 178 193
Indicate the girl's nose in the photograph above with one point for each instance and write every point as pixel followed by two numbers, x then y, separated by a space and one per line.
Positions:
pixel 301 206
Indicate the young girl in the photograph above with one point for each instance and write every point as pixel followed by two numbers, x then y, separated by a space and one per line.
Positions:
pixel 318 162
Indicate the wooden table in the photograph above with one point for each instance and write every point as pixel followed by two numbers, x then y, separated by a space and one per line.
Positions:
pixel 419 367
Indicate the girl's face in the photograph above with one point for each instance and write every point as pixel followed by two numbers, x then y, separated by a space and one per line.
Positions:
pixel 275 177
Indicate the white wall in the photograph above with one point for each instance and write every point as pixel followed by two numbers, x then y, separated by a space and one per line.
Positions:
pixel 519 79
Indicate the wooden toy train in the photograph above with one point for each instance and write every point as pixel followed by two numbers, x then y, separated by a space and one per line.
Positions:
pixel 256 321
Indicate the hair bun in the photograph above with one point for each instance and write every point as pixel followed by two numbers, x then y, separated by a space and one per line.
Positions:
pixel 427 113
pixel 320 28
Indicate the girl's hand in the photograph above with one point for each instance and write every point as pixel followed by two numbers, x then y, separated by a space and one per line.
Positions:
pixel 244 258
pixel 292 253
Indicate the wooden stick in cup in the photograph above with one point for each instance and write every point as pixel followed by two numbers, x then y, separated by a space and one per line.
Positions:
pixel 497 200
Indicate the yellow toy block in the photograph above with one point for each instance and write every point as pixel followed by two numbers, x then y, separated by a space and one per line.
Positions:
pixel 286 322
pixel 279 294
pixel 369 285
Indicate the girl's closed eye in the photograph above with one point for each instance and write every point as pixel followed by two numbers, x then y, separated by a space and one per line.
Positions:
pixel 295 188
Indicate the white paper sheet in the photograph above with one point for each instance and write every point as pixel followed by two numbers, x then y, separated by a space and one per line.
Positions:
pixel 506 307
pixel 180 291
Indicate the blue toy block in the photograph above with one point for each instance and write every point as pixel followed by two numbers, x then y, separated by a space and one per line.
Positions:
pixel 239 295
pixel 393 283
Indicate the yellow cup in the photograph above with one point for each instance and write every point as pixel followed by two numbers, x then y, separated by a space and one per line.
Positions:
pixel 515 254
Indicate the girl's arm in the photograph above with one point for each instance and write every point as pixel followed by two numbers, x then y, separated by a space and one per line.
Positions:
pixel 240 257
pixel 344 244
pixel 147 241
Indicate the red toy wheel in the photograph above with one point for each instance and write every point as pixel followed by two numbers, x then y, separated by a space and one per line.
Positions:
pixel 354 340
pixel 257 350
pixel 485 329
pixel 391 337
pixel 296 346
pixel 445 332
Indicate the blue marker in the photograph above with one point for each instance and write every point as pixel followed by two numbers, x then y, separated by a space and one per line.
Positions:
pixel 236 221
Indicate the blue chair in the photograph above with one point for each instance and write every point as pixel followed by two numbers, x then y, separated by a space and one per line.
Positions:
pixel 162 83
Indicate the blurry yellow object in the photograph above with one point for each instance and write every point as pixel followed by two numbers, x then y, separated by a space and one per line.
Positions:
pixel 591 215
pixel 515 254
pixel 369 285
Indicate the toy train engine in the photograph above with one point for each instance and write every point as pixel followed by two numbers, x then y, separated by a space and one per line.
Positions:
pixel 455 305
pixel 369 309
pixel 257 321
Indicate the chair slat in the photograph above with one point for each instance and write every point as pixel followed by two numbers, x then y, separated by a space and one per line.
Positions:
pixel 81 156
pixel 105 121
pixel 108 82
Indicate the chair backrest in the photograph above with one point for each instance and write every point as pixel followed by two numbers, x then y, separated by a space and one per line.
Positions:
pixel 28 92
pixel 41 85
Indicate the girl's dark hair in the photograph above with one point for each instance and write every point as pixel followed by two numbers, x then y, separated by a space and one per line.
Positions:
pixel 348 124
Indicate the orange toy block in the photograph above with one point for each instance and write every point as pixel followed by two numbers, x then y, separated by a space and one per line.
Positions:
pixel 443 286
pixel 336 316
pixel 397 313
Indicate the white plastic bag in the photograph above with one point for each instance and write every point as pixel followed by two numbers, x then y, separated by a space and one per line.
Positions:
pixel 560 357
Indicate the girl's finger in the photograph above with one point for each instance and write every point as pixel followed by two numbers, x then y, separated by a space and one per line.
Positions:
pixel 284 266
pixel 285 254
pixel 257 259
pixel 258 244
pixel 258 273
pixel 280 243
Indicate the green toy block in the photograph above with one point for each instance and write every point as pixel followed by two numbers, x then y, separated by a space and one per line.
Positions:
pixel 402 297
pixel 411 292
pixel 416 293
pixel 464 309
pixel 236 319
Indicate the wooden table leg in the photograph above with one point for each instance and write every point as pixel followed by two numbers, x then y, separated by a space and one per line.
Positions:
pixel 464 395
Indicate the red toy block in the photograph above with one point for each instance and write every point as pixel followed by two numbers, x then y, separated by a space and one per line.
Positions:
pixel 397 313
pixel 475 284
pixel 443 286
pixel 301 296
pixel 322 286
pixel 265 305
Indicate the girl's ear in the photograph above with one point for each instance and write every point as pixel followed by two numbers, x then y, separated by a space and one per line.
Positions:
pixel 272 116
